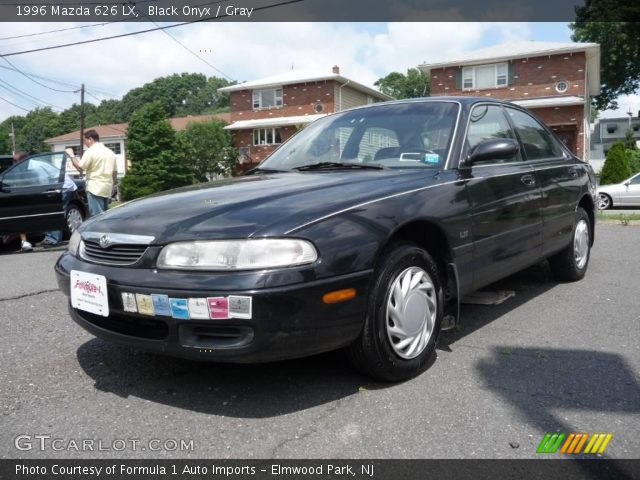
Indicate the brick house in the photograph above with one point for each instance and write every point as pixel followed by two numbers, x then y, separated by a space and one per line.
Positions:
pixel 554 80
pixel 266 112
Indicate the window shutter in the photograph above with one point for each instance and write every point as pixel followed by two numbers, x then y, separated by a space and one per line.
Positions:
pixel 459 79
pixel 511 73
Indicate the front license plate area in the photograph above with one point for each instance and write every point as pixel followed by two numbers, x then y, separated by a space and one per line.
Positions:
pixel 89 293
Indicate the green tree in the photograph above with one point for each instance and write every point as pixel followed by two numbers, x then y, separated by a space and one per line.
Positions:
pixel 208 149
pixel 630 140
pixel 606 22
pixel 414 84
pixel 616 167
pixel 634 160
pixel 38 125
pixel 152 149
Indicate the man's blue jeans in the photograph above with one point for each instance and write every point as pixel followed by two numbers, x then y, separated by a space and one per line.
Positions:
pixel 97 204
pixel 56 237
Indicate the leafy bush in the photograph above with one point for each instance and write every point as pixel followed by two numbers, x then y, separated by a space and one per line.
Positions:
pixel 616 167
pixel 152 149
pixel 634 160
pixel 208 149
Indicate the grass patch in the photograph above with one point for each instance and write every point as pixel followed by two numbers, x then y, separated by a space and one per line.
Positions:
pixel 623 218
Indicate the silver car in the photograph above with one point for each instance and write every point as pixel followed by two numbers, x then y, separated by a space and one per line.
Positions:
pixel 622 194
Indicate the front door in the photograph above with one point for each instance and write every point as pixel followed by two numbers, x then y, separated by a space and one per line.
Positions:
pixel 31 195
pixel 568 134
pixel 505 198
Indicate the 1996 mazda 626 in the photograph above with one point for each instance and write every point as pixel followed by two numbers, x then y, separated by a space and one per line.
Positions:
pixel 362 231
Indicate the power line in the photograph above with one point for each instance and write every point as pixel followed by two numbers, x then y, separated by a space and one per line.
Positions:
pixel 53 80
pixel 122 35
pixel 35 81
pixel 26 95
pixel 54 31
pixel 192 52
pixel 18 106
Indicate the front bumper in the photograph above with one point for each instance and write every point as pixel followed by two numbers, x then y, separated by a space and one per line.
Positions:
pixel 287 320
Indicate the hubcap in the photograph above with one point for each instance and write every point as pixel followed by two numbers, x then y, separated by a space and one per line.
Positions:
pixel 581 244
pixel 411 312
pixel 603 201
pixel 74 219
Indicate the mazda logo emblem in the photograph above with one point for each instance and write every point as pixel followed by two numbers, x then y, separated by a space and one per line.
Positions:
pixel 104 241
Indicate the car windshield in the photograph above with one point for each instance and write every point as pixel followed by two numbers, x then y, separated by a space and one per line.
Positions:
pixel 403 135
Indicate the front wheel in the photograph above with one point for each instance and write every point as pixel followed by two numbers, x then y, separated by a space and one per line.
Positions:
pixel 403 316
pixel 571 263
pixel 604 201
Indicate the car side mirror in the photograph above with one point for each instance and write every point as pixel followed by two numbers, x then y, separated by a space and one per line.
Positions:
pixel 626 184
pixel 492 149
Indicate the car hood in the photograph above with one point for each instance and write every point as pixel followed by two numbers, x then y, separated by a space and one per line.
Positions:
pixel 253 205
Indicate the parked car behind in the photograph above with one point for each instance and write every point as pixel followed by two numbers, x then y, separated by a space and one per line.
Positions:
pixel 31 196
pixel 623 194
pixel 363 231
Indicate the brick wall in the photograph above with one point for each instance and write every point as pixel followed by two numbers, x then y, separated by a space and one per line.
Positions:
pixel 298 99
pixel 257 153
pixel 533 77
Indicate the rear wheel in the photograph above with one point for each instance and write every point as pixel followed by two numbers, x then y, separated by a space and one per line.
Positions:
pixel 75 217
pixel 403 316
pixel 571 263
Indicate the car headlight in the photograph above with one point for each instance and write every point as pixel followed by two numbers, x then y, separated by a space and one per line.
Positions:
pixel 254 254
pixel 74 243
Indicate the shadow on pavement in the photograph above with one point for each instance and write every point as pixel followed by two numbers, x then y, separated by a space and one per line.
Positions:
pixel 527 284
pixel 543 384
pixel 233 390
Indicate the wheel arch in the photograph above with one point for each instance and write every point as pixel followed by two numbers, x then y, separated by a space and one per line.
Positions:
pixel 586 202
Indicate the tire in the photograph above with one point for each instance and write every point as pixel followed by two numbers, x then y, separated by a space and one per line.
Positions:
pixel 397 316
pixel 604 201
pixel 75 216
pixel 570 264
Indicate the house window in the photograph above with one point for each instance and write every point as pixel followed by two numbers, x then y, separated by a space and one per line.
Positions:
pixel 266 136
pixel 271 97
pixel 114 147
pixel 485 76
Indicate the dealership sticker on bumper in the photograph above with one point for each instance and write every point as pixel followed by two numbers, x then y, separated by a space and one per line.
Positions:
pixel 198 308
pixel 145 304
pixel 129 302
pixel 161 304
pixel 179 308
pixel 89 293
pixel 239 307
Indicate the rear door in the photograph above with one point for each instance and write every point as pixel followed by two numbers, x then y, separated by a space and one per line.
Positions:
pixel 561 178
pixel 505 198
pixel 31 194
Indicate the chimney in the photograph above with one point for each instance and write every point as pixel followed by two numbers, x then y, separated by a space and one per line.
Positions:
pixel 336 69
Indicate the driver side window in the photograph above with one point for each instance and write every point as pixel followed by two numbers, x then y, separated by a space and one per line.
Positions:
pixel 488 122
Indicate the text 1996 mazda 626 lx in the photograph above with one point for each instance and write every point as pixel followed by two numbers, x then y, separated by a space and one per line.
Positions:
pixel 362 231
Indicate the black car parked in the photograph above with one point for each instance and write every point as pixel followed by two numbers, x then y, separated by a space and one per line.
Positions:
pixel 31 196
pixel 363 231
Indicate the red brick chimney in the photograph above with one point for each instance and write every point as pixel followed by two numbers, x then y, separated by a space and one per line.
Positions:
pixel 336 69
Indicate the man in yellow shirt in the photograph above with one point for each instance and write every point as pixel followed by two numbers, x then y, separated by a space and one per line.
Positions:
pixel 99 163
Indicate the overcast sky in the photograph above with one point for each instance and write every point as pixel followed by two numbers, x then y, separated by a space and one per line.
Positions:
pixel 241 51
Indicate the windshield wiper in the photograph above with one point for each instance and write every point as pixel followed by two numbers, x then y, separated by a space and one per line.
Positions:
pixel 263 170
pixel 338 166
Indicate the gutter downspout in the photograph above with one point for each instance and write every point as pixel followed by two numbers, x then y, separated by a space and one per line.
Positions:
pixel 340 93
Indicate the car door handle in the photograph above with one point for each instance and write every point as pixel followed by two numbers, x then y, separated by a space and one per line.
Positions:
pixel 573 173
pixel 52 191
pixel 528 180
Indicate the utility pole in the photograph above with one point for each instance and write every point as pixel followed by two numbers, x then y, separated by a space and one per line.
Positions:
pixel 81 120
pixel 13 139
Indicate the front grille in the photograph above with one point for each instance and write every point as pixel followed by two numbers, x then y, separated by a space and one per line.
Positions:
pixel 113 255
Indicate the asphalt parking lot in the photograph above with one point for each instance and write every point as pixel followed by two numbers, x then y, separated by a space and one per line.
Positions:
pixel 553 358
